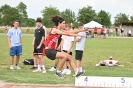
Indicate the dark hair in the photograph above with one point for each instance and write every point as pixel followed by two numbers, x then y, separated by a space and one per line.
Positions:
pixel 80 24
pixel 15 21
pixel 56 19
pixel 39 19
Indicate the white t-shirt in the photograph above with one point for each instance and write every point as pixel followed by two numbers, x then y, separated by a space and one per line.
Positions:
pixel 67 41
pixel 80 45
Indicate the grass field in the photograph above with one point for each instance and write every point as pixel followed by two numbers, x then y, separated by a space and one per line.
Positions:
pixel 120 49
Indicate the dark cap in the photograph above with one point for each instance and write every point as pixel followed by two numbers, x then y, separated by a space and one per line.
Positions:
pixel 39 20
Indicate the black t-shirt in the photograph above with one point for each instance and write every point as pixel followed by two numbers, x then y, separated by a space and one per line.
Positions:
pixel 59 40
pixel 39 33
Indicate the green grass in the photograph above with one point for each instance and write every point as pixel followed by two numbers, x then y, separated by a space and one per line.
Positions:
pixel 95 50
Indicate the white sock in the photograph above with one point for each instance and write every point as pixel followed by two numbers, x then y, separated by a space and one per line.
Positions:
pixel 58 71
pixel 76 71
pixel 39 67
pixel 43 67
pixel 80 69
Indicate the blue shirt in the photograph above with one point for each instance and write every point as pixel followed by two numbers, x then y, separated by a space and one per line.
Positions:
pixel 15 35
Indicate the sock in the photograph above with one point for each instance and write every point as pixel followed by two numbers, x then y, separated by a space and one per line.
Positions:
pixel 58 71
pixel 35 65
pixel 77 71
pixel 43 67
pixel 55 66
pixel 39 67
pixel 80 69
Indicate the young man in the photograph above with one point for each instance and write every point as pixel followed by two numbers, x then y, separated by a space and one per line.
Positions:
pixel 39 46
pixel 102 32
pixel 50 45
pixel 66 45
pixel 80 43
pixel 95 32
pixel 15 44
pixel 34 56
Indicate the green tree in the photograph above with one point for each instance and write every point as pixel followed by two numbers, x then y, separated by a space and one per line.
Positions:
pixel 9 14
pixel 47 13
pixel 131 17
pixel 120 18
pixel 104 18
pixel 30 22
pixel 22 10
pixel 69 16
pixel 86 14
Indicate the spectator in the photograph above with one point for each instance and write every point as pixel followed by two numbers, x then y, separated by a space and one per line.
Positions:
pixel 95 32
pixel 15 44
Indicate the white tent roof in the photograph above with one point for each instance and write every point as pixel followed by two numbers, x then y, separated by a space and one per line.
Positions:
pixel 93 24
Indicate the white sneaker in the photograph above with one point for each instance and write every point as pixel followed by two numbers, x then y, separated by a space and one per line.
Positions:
pixel 17 67
pixel 12 67
pixel 36 70
pixel 68 72
pixel 43 70
pixel 52 69
pixel 64 71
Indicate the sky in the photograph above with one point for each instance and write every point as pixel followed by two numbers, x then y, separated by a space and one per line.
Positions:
pixel 114 7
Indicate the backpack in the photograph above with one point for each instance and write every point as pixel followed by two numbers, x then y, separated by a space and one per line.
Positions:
pixel 28 62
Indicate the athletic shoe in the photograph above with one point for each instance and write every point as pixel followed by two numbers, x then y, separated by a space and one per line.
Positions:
pixel 68 72
pixel 80 73
pixel 33 67
pixel 36 70
pixel 64 71
pixel 17 67
pixel 43 70
pixel 60 75
pixel 12 67
pixel 52 69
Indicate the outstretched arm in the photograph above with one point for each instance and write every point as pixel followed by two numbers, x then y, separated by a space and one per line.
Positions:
pixel 55 31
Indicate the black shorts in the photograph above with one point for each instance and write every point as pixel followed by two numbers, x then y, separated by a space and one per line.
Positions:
pixel 69 53
pixel 51 54
pixel 95 32
pixel 78 55
pixel 39 51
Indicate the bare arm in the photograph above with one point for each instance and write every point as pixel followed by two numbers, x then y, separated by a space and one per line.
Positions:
pixel 9 42
pixel 42 40
pixel 21 40
pixel 76 31
pixel 54 31
pixel 77 40
pixel 69 50
pixel 33 41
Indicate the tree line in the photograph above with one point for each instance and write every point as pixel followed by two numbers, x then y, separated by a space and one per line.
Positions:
pixel 86 14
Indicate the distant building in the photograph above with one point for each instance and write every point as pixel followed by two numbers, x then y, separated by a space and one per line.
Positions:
pixel 127 26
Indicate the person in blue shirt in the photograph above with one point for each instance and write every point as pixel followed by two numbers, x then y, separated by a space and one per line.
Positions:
pixel 15 44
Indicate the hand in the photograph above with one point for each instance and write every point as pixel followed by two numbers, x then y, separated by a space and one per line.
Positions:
pixel 68 51
pixel 38 47
pixel 10 46
pixel 32 44
pixel 58 48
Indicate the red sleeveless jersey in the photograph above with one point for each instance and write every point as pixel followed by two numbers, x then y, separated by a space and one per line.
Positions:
pixel 51 40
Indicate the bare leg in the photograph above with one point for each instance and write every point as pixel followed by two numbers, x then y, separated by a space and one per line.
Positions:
pixel 64 56
pixel 17 60
pixel 11 60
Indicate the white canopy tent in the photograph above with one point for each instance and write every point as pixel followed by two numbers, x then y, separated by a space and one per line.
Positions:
pixel 93 24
